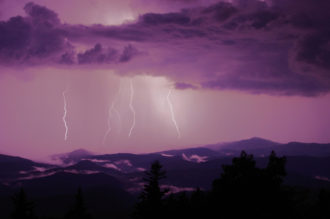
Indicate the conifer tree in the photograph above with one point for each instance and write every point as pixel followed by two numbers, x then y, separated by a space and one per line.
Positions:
pixel 23 208
pixel 79 210
pixel 150 203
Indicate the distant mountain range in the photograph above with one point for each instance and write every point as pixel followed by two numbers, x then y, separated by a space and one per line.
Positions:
pixel 263 147
pixel 70 158
pixel 119 176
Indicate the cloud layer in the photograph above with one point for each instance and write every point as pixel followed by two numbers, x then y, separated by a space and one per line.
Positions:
pixel 275 47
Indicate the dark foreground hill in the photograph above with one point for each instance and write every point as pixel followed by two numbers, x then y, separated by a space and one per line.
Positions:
pixel 55 194
pixel 112 182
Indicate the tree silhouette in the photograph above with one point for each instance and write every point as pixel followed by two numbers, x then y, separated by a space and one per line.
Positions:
pixel 150 201
pixel 324 204
pixel 23 208
pixel 244 189
pixel 276 168
pixel 198 205
pixel 79 210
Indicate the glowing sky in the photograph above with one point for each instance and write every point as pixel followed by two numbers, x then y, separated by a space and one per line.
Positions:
pixel 150 75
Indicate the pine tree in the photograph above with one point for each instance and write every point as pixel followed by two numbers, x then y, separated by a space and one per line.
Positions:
pixel 23 208
pixel 276 168
pixel 150 204
pixel 79 210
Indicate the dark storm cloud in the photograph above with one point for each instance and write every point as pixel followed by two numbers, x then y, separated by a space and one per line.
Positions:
pixel 185 1
pixel 124 33
pixel 161 19
pixel 98 55
pixel 67 58
pixel 183 86
pixel 128 53
pixel 41 15
pixel 315 49
pixel 257 20
pixel 37 36
pixel 274 47
pixel 221 11
pixel 41 38
pixel 296 85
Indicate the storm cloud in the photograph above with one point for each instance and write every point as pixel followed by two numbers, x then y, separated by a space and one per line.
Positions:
pixel 32 38
pixel 274 47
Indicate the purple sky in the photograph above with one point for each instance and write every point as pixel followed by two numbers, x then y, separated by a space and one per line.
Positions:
pixel 149 75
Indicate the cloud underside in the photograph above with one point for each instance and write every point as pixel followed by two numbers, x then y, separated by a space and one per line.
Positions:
pixel 279 48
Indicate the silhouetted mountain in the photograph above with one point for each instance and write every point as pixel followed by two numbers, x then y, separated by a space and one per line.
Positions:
pixel 86 165
pixel 62 183
pixel 262 147
pixel 247 145
pixel 111 182
pixel 71 157
pixel 304 149
pixel 13 167
pixel 116 178
pixel 90 167
pixel 191 151
pixel 187 168
pixel 126 162
pixel 197 155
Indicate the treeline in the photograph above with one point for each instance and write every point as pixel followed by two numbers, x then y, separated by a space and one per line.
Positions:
pixel 242 190
pixel 24 209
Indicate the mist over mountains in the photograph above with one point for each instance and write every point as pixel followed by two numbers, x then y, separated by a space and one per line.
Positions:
pixel 117 179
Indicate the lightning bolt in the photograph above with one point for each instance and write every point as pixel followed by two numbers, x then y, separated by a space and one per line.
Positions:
pixel 132 108
pixel 109 124
pixel 172 113
pixel 65 114
pixel 112 109
pixel 118 117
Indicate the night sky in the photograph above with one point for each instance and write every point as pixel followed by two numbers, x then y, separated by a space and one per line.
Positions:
pixel 149 75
